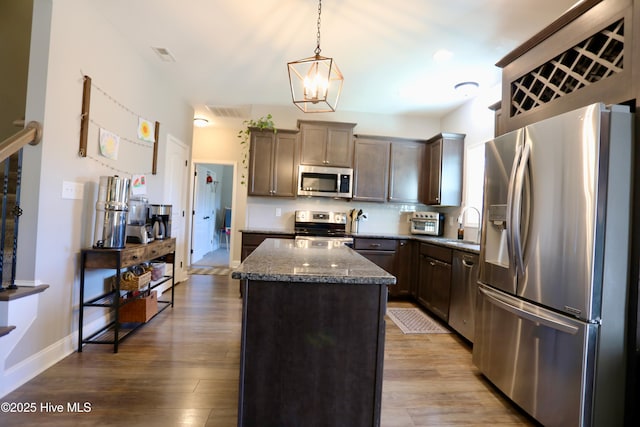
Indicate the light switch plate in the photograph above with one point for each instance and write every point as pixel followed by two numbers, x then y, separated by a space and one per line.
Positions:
pixel 72 190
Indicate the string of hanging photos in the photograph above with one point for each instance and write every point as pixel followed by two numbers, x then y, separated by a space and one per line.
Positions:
pixel 108 141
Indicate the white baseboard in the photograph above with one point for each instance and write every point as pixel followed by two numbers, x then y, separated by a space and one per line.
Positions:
pixel 31 367
pixel 26 370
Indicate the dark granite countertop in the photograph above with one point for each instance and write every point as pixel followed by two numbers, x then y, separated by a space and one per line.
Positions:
pixel 281 261
pixel 267 231
pixel 464 245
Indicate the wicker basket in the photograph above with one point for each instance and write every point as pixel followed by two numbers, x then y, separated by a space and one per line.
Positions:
pixel 137 283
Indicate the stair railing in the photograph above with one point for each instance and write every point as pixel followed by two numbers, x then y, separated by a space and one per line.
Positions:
pixel 32 135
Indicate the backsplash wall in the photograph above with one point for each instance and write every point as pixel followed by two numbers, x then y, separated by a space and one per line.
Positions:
pixel 382 218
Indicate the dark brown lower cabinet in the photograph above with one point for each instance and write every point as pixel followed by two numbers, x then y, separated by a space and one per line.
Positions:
pixel 395 256
pixel 250 241
pixel 434 286
pixel 383 259
pixel 388 254
pixel 312 354
pixel 404 270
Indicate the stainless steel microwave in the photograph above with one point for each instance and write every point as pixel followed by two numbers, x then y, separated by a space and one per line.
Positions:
pixel 325 181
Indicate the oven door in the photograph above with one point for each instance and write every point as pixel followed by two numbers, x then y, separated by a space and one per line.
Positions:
pixel 322 242
pixel 429 227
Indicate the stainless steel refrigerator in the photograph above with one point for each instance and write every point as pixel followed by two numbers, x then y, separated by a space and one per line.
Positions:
pixel 551 306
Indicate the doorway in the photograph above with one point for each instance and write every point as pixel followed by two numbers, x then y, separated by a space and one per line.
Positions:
pixel 175 181
pixel 211 228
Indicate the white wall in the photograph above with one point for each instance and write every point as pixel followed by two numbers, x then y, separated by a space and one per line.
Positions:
pixel 15 25
pixel 476 120
pixel 219 144
pixel 70 39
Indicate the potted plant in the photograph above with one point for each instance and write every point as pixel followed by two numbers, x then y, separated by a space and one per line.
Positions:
pixel 263 123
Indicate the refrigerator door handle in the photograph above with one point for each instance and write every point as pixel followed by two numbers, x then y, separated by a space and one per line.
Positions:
pixel 518 189
pixel 541 318
pixel 510 195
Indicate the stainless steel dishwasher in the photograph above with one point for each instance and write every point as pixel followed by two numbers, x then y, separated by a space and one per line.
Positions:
pixel 464 286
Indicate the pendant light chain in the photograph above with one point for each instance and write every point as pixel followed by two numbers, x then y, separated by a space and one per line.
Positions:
pixel 317 50
pixel 316 82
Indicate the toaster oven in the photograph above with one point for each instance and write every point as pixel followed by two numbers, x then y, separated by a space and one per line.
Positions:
pixel 429 223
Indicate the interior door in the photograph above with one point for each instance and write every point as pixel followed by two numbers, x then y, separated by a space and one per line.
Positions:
pixel 202 233
pixel 176 184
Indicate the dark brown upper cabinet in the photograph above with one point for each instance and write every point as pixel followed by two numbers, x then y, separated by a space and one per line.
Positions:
pixel 326 143
pixel 405 172
pixel 444 160
pixel 273 163
pixel 388 169
pixel 371 170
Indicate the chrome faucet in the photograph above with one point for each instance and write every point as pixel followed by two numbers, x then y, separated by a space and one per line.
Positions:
pixel 461 218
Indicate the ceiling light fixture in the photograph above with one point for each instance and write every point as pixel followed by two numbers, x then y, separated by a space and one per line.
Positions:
pixel 200 122
pixel 467 89
pixel 316 82
pixel 442 55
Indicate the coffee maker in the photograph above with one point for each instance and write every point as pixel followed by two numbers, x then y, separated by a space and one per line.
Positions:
pixel 138 231
pixel 159 218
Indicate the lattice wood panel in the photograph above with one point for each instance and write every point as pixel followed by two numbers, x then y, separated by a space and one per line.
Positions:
pixel 594 59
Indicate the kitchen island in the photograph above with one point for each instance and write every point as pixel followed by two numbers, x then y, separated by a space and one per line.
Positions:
pixel 312 336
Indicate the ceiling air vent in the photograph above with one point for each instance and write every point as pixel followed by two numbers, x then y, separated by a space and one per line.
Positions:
pixel 164 54
pixel 237 112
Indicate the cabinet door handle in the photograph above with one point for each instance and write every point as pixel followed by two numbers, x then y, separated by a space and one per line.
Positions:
pixel 467 263
pixel 374 245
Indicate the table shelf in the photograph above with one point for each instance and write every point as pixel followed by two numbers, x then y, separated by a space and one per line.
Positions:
pixel 99 258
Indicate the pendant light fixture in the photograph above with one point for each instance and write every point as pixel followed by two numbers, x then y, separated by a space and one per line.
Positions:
pixel 316 82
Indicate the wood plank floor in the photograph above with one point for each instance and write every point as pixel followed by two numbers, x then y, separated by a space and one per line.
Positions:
pixel 182 369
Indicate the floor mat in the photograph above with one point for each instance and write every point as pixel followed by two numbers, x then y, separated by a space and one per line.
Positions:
pixel 216 271
pixel 415 321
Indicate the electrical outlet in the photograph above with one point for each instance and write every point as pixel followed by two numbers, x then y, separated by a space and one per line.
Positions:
pixel 278 211
pixel 72 190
